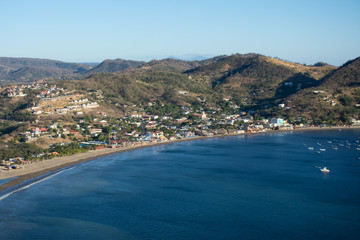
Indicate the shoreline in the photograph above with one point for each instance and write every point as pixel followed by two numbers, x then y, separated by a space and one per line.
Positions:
pixel 45 168
pixel 39 170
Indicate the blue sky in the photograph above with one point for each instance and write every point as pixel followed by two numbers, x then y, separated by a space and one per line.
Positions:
pixel 304 31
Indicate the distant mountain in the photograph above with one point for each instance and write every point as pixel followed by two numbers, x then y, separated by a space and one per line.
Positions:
pixel 191 58
pixel 170 64
pixel 13 70
pixel 320 64
pixel 238 74
pixel 91 64
pixel 31 69
pixel 116 65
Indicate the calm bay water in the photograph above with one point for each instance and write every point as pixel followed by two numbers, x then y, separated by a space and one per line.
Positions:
pixel 267 186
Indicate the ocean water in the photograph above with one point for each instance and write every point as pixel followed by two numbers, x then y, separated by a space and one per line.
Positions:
pixel 265 186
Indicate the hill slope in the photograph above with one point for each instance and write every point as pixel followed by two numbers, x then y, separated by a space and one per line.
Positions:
pixel 32 69
pixel 348 75
pixel 335 96
pixel 176 65
pixel 249 79
pixel 20 70
pixel 259 77
pixel 116 65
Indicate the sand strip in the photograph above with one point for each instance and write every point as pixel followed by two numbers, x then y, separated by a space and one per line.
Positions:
pixel 37 169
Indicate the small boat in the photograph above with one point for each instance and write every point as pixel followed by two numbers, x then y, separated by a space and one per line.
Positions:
pixel 324 169
pixel 322 149
pixel 310 148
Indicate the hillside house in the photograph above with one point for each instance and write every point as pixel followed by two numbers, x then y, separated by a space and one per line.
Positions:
pixel 95 131
pixel 276 122
pixel 202 116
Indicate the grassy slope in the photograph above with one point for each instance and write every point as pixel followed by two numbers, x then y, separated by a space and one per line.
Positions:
pixel 342 87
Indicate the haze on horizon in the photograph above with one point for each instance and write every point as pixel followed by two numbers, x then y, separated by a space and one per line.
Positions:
pixel 92 31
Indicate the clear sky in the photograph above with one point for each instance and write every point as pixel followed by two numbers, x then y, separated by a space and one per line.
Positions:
pixel 304 31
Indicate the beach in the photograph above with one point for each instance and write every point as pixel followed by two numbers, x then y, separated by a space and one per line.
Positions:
pixel 40 168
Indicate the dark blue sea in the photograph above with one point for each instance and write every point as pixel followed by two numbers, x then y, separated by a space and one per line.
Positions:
pixel 265 186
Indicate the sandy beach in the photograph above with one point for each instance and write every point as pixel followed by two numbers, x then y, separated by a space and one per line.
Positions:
pixel 37 169
pixel 40 168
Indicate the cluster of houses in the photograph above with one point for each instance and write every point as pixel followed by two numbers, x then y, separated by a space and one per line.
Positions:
pixel 132 129
pixel 15 91
pixel 325 98
pixel 77 108
pixel 48 94
pixel 44 89
pixel 15 163
pixel 148 126
pixel 147 129
pixel 50 91
pixel 68 105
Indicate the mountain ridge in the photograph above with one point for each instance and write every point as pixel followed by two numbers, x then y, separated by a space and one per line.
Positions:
pixel 14 70
pixel 254 83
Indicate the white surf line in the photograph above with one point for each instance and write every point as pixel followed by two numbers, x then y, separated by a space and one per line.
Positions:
pixel 31 184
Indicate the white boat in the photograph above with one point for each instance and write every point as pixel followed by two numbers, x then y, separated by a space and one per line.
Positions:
pixel 310 148
pixel 322 149
pixel 324 169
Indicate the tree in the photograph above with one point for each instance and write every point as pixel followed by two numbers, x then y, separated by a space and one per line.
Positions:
pixel 345 119
pixel 346 100
pixel 106 130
